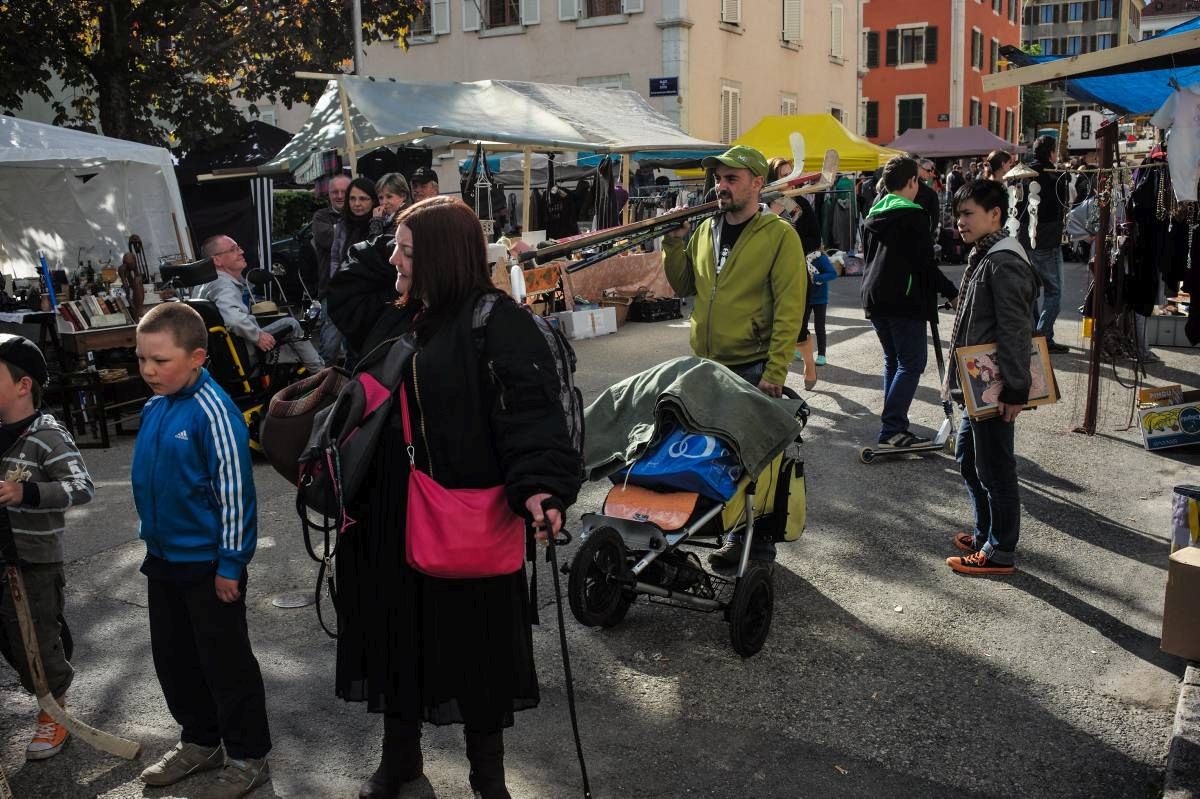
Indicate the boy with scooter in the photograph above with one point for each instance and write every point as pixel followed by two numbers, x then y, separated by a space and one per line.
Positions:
pixel 995 305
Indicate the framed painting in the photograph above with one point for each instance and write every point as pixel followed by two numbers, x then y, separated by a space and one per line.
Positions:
pixel 981 382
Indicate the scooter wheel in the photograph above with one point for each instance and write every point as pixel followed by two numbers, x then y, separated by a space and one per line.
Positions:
pixel 594 592
pixel 866 454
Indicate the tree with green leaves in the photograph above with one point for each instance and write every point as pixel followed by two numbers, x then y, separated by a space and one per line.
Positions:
pixel 166 71
pixel 1033 97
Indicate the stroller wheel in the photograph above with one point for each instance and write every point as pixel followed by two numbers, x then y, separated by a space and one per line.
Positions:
pixel 597 598
pixel 751 611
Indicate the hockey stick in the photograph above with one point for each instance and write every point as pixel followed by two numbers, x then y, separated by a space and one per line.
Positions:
pixel 98 739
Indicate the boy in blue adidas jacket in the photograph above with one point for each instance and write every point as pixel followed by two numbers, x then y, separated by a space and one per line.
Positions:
pixel 194 491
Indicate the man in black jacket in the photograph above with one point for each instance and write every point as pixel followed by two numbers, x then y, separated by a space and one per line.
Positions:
pixel 996 306
pixel 927 198
pixel 1043 243
pixel 899 293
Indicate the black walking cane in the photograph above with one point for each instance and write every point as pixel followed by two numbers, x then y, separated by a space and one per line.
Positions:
pixel 552 556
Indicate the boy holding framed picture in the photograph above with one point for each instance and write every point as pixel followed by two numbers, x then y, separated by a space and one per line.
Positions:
pixel 995 308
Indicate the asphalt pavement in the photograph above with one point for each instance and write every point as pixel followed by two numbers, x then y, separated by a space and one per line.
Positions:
pixel 885 674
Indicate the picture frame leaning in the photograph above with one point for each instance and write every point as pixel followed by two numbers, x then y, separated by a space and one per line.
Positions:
pixel 981 382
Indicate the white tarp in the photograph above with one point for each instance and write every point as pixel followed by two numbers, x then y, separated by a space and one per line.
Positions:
pixel 79 196
pixel 510 112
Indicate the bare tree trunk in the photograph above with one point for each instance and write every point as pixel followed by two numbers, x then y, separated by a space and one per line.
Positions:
pixel 111 70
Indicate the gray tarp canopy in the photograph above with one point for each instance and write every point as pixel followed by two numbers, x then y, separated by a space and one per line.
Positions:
pixel 546 116
pixel 952 142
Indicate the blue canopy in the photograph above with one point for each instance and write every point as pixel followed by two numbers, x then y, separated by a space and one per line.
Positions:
pixel 1130 92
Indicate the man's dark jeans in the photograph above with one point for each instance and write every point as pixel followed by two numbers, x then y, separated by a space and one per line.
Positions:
pixel 905 353
pixel 762 548
pixel 988 463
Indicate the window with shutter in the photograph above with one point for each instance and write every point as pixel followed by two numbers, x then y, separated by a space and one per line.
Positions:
pixel 1008 124
pixel 872 49
pixel 931 44
pixel 872 125
pixel 731 113
pixel 602 8
pixel 731 12
pixel 531 12
pixel 793 21
pixel 501 13
pixel 993 55
pixel 422 24
pixel 910 113
pixel 568 9
pixel 470 13
pixel 837 47
pixel 893 47
pixel 788 105
pixel 993 118
pixel 633 6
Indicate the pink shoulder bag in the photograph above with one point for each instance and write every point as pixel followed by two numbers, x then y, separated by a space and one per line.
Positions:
pixel 458 533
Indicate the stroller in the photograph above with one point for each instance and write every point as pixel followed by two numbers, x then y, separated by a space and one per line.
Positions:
pixel 643 544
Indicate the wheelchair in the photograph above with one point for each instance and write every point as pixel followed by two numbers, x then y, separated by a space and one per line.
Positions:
pixel 249 381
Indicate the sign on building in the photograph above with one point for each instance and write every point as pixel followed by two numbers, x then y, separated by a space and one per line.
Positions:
pixel 664 87
pixel 1081 129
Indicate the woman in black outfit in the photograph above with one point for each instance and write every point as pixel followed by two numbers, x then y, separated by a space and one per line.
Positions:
pixel 413 647
pixel 355 224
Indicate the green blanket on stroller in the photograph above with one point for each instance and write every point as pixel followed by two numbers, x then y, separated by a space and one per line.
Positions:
pixel 704 397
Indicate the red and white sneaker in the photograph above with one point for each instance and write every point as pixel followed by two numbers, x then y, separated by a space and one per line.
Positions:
pixel 48 740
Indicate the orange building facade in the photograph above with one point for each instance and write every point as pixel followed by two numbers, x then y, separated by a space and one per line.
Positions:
pixel 925 64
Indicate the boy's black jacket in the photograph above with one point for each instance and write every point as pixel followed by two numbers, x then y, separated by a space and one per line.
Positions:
pixel 901 279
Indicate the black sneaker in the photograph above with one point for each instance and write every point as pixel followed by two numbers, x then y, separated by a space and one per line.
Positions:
pixel 903 441
pixel 1055 347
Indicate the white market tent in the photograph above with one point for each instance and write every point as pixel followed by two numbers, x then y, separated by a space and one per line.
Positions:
pixel 356 114
pixel 538 115
pixel 77 195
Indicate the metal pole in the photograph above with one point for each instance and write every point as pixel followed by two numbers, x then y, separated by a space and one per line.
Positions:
pixel 627 213
pixel 356 21
pixel 1107 138
pixel 351 155
pixel 526 193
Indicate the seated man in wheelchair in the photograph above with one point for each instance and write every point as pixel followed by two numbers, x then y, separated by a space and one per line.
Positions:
pixel 231 294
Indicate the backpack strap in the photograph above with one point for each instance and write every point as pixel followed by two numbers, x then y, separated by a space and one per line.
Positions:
pixel 479 318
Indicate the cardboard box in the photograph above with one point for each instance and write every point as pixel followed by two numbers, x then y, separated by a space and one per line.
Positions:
pixel 1166 426
pixel 1161 395
pixel 587 324
pixel 1181 611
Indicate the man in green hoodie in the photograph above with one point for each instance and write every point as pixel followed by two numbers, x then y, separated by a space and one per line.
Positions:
pixel 899 293
pixel 746 269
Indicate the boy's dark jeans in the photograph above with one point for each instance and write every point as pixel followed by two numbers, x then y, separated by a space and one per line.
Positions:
pixel 44 584
pixel 905 353
pixel 203 660
pixel 986 458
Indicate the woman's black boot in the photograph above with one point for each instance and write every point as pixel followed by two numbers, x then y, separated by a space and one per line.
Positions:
pixel 400 762
pixel 485 750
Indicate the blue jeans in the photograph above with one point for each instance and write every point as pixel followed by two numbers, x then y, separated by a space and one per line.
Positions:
pixel 1048 263
pixel 905 352
pixel 761 548
pixel 988 463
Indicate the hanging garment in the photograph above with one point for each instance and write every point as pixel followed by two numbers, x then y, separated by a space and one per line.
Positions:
pixel 1181 113
pixel 1148 209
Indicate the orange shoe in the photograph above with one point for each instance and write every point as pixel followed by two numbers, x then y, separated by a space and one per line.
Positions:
pixel 49 739
pixel 979 564
pixel 965 542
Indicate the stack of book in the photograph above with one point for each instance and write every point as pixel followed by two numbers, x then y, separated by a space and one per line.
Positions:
pixel 96 311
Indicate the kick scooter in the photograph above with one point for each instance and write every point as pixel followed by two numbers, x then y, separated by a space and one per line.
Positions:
pixel 945 435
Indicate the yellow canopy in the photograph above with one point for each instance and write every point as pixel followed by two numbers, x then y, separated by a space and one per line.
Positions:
pixel 821 132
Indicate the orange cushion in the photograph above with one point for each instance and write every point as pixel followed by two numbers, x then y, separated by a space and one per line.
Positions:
pixel 669 510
